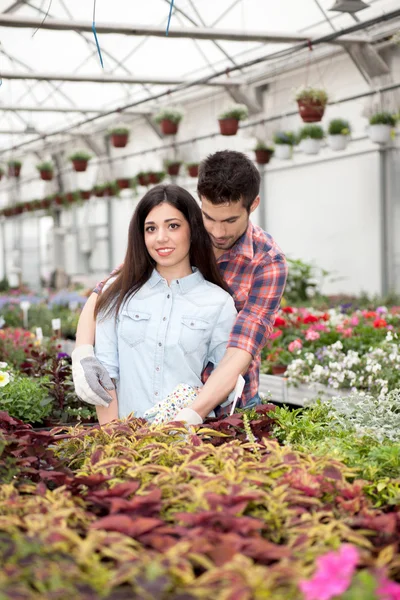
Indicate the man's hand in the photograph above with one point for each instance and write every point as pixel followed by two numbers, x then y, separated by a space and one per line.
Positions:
pixel 91 379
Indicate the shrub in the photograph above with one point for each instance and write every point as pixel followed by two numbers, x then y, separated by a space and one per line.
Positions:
pixel 239 112
pixel 312 95
pixel 26 399
pixel 314 132
pixel 119 131
pixel 285 137
pixel 339 127
pixel 263 146
pixel 168 114
pixel 80 155
pixel 383 118
pixel 45 166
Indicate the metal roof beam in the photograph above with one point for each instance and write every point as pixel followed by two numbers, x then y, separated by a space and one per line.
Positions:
pixel 106 78
pixel 198 33
pixel 60 109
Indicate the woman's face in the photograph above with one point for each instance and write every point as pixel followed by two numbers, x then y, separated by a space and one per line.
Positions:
pixel 167 238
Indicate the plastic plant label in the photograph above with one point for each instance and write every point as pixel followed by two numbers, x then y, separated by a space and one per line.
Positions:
pixel 2 322
pixel 39 334
pixel 25 305
pixel 238 392
pixel 56 324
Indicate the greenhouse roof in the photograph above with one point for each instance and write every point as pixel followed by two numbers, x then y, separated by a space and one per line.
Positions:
pixel 52 77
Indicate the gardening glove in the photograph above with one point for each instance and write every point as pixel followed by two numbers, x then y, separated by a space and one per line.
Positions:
pixel 91 379
pixel 188 416
pixel 165 410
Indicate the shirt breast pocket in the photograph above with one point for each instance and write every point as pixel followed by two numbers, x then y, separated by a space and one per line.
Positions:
pixel 193 334
pixel 133 327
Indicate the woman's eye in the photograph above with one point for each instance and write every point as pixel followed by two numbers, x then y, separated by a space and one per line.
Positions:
pixel 174 225
pixel 149 229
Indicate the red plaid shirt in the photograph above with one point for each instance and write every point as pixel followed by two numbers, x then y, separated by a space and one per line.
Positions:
pixel 255 270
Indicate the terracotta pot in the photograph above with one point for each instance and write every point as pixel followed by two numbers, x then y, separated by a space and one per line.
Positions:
pixel 193 170
pixel 108 191
pixel 59 200
pixel 263 156
pixel 46 175
pixel 46 203
pixel 14 171
pixel 278 369
pixel 85 194
pixel 79 165
pixel 228 126
pixel 173 169
pixel 8 212
pixel 123 184
pixel 98 193
pixel 70 197
pixel 29 207
pixel 143 180
pixel 119 140
pixel 18 210
pixel 311 111
pixel 168 127
pixel 154 178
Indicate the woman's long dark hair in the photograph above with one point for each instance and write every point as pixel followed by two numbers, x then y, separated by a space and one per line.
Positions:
pixel 138 265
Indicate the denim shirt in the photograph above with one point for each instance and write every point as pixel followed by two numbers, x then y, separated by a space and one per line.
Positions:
pixel 164 335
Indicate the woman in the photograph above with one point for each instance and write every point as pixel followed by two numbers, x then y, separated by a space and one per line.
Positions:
pixel 167 314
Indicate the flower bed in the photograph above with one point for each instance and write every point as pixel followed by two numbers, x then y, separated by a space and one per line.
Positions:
pixel 128 511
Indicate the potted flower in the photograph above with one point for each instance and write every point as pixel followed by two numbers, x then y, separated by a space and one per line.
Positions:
pixel 46 202
pixel 311 137
pixel 80 160
pixel 143 178
pixel 173 167
pixel 381 126
pixel 111 188
pixel 168 120
pixel 98 190
pixel 46 170
pixel 119 136
pixel 14 168
pixel 85 194
pixel 279 360
pixel 284 142
pixel 193 169
pixel 338 134
pixel 311 103
pixel 263 153
pixel 229 120
pixel 156 177
pixel 123 183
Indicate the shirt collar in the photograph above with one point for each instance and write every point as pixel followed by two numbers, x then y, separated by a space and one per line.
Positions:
pixel 185 284
pixel 243 246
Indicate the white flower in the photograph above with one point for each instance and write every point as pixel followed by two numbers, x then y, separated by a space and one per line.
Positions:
pixel 4 378
pixel 3 365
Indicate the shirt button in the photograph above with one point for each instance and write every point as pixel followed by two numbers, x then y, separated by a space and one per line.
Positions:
pixel 156 393
pixel 157 368
pixel 164 318
pixel 159 343
pixel 192 323
pixel 136 316
pixel 177 281
pixel 168 296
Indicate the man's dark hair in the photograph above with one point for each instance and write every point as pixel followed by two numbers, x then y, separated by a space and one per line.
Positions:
pixel 228 176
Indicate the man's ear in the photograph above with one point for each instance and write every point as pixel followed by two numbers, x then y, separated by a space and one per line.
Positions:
pixel 255 204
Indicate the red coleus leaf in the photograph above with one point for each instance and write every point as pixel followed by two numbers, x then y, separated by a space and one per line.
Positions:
pixel 56 476
pixel 264 551
pixel 333 473
pixel 127 525
pixel 221 522
pixel 121 490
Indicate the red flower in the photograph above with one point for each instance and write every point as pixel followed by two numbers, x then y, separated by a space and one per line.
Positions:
pixel 378 323
pixel 310 319
pixel 325 317
pixel 288 309
pixel 279 322
pixel 369 314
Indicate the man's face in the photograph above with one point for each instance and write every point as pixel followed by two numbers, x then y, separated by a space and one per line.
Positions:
pixel 225 223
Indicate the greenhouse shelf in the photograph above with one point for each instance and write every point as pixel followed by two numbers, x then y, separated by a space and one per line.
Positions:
pixel 286 394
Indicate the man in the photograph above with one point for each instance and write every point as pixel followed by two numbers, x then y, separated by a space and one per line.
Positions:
pixel 252 265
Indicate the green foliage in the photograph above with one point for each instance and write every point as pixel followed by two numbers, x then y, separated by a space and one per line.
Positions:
pixel 303 281
pixel 285 137
pixel 4 285
pixel 314 132
pixel 239 112
pixel 80 155
pixel 383 118
pixel 192 164
pixel 311 94
pixel 263 146
pixel 14 163
pixel 168 114
pixel 169 162
pixel 40 315
pixel 26 399
pixel 119 131
pixel 45 166
pixel 339 127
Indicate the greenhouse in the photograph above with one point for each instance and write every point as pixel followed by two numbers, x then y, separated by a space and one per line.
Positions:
pixel 200 300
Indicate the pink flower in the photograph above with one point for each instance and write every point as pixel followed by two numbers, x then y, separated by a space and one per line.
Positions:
pixel 333 575
pixel 354 321
pixel 320 327
pixel 388 590
pixel 312 335
pixel 275 334
pixel 348 332
pixel 295 345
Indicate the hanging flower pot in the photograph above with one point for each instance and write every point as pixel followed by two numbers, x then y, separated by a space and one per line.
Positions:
pixel 169 120
pixel 119 137
pixel 111 189
pixel 143 178
pixel 85 194
pixel 59 199
pixel 228 126
pixel 98 191
pixel 229 120
pixel 46 170
pixel 14 168
pixel 173 167
pixel 193 169
pixel 284 142
pixel 80 161
pixel 311 137
pixel 338 134
pixel 123 184
pixel 46 203
pixel 71 197
pixel 263 153
pixel 156 177
pixel 311 103
pixel 381 126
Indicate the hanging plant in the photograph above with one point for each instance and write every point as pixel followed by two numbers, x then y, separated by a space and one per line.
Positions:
pixel 85 194
pixel 14 168
pixel 381 126
pixel 60 199
pixel 284 142
pixel 311 137
pixel 173 167
pixel 46 202
pixel 98 190
pixel 119 136
pixel 80 161
pixel 156 177
pixel 229 120
pixel 193 169
pixel 311 103
pixel 46 170
pixel 1 173
pixel 169 120
pixel 263 153
pixel 124 183
pixel 143 178
pixel 111 189
pixel 338 134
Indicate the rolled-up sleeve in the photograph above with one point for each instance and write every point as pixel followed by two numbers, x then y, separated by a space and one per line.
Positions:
pixel 221 332
pixel 106 348
pixel 255 321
